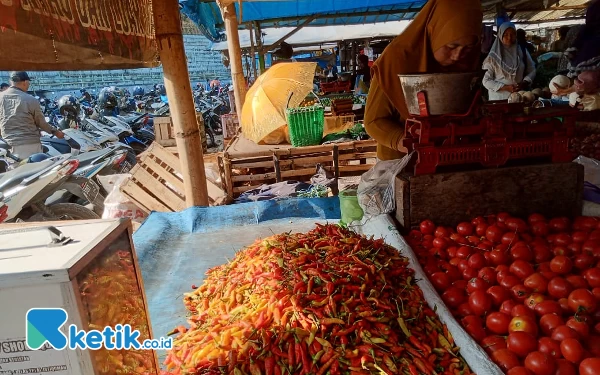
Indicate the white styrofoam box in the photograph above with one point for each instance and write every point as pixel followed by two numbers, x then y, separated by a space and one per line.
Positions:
pixel 76 276
pixel 383 227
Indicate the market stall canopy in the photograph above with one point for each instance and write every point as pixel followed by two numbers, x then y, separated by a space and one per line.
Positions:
pixel 77 35
pixel 291 13
pixel 320 35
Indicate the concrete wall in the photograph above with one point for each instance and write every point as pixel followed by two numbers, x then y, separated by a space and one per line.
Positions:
pixel 202 64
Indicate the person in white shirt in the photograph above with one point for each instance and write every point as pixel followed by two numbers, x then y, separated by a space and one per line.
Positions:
pixel 509 68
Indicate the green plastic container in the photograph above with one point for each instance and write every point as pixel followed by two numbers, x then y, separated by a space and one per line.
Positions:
pixel 306 125
pixel 349 207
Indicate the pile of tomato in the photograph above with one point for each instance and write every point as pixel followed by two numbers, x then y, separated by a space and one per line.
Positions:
pixel 528 291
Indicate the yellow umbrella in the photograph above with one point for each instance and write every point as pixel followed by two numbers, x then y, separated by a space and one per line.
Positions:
pixel 267 99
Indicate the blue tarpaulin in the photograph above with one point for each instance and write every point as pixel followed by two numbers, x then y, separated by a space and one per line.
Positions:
pixel 175 250
pixel 292 12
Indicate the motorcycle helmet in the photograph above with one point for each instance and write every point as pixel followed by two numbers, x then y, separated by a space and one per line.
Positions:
pixel 107 99
pixel 138 91
pixel 161 89
pixel 36 158
pixel 68 106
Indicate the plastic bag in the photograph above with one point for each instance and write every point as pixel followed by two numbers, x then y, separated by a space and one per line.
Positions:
pixel 591 169
pixel 376 190
pixel 116 204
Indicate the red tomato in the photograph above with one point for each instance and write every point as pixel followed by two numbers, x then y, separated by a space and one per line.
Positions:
pixel 548 307
pixel 480 302
pixel 478 220
pixel 592 275
pixel 516 225
pixel 585 223
pixel 507 306
pixel 464 310
pixel 460 284
pixel 595 235
pixel 521 343
pixel 519 292
pixel 480 229
pixel 454 296
pixel 440 281
pixel 464 229
pixel 502 217
pixel 488 274
pixel 533 300
pixel 564 367
pixel 523 324
pixel 440 243
pixel 521 253
pixel 499 295
pixel 579 237
pixel 519 370
pixel 535 218
pixel 549 322
pixel 596 293
pixel 583 262
pixel 561 264
pixel 521 268
pixel 589 366
pixel 579 326
pixel 591 246
pixel 492 343
pixel 498 322
pixel 522 310
pixel 564 305
pixel 505 359
pixel 477 261
pixel 542 253
pixel 592 343
pixel 550 347
pixel 476 284
pixel 502 270
pixel 563 332
pixel 473 240
pixel 540 363
pixel 474 327
pixel 452 251
pixel 452 272
pixel 582 300
pixel 536 283
pixel 463 252
pixel 559 224
pixel 577 281
pixel 462 265
pixel 442 232
pixel 427 227
pixel 559 288
pixel 509 238
pixel 540 229
pixel 572 350
pixel 509 281
pixel 574 247
pixel 469 273
pixel 562 239
pixel 499 257
pixel 494 233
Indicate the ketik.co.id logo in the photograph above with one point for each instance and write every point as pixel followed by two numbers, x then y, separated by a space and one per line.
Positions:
pixel 43 326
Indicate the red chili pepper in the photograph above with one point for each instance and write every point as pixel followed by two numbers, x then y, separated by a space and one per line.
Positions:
pixel 326 366
pixel 270 365
pixel 291 355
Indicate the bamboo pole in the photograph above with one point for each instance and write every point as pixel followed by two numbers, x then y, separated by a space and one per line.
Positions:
pixel 252 52
pixel 169 39
pixel 235 54
pixel 259 44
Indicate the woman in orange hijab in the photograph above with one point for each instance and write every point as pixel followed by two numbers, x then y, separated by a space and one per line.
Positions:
pixel 444 37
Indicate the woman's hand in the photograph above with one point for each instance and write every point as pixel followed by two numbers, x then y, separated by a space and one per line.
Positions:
pixel 509 88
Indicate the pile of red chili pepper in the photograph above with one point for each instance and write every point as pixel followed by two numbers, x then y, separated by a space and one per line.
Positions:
pixel 110 293
pixel 324 302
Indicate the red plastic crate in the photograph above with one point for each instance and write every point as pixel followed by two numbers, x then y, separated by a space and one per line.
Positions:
pixel 336 86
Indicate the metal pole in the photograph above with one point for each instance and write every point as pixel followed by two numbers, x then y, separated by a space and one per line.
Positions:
pixel 169 39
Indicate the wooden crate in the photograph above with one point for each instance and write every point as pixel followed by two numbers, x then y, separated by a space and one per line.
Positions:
pixel 156 183
pixel 230 125
pixel 250 170
pixel 449 198
pixel 164 132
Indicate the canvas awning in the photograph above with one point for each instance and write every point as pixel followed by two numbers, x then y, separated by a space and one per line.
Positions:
pixel 76 35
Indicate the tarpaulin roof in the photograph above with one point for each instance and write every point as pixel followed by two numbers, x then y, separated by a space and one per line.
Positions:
pixel 322 35
pixel 286 13
pixel 77 35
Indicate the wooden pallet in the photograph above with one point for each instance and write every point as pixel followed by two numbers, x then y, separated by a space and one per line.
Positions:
pixel 252 169
pixel 230 125
pixel 156 183
pixel 164 132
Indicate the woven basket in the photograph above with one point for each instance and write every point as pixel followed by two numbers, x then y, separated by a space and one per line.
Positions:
pixel 306 125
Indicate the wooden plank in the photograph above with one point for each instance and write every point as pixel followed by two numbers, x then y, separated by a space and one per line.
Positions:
pixel 228 178
pixel 355 168
pixel 402 198
pixel 359 155
pixel 241 189
pixel 298 172
pixel 261 164
pixel 449 198
pixel 255 177
pixel 336 170
pixel 142 199
pixel 304 161
pixel 277 168
pixel 215 193
pixel 164 174
pixel 167 157
pixel 161 192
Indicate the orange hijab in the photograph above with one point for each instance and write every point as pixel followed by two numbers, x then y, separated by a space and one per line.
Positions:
pixel 440 22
